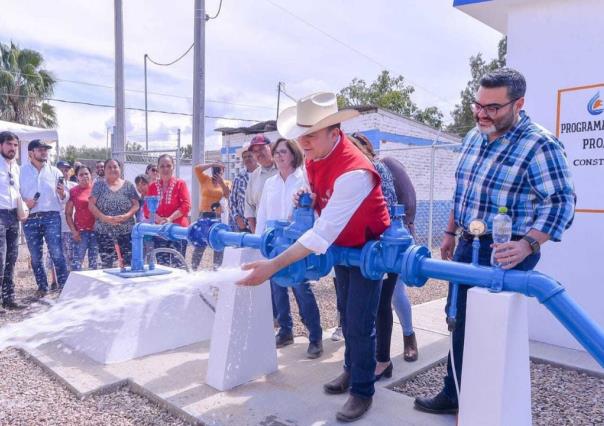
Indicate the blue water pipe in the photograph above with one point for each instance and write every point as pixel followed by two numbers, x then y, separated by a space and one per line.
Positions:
pixel 394 252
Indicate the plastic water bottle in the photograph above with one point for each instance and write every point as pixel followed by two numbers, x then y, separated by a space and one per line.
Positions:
pixel 502 230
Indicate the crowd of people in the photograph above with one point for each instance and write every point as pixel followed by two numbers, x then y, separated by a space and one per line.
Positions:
pixel 507 160
pixel 83 214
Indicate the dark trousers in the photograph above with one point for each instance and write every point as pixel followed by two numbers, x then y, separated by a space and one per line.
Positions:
pixel 463 254
pixel 107 249
pixel 168 259
pixel 383 322
pixel 198 255
pixel 199 251
pixel 9 249
pixel 40 227
pixel 307 306
pixel 358 300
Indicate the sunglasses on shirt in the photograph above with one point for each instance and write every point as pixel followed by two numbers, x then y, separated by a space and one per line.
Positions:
pixel 11 180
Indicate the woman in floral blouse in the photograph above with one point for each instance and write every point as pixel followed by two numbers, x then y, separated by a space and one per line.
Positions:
pixel 174 204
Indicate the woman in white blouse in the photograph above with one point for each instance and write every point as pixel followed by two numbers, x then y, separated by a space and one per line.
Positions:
pixel 276 204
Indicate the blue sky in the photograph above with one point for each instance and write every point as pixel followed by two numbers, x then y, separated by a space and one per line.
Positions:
pixel 249 48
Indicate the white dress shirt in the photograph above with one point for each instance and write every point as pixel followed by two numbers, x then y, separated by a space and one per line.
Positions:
pixel 9 194
pixel 45 182
pixel 349 191
pixel 276 202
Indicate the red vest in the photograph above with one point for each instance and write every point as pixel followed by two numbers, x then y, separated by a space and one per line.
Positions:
pixel 371 218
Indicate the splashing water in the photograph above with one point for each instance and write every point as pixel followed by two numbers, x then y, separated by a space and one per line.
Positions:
pixel 68 316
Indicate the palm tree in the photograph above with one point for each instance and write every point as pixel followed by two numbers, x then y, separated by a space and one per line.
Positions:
pixel 24 86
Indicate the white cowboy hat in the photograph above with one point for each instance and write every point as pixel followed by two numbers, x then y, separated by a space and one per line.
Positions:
pixel 312 113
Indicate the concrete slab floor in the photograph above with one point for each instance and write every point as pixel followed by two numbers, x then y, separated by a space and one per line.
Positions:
pixel 291 396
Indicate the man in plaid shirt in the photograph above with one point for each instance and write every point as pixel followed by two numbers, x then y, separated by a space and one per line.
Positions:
pixel 237 197
pixel 506 161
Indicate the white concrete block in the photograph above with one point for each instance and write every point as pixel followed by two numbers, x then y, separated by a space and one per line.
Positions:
pixel 496 385
pixel 243 341
pixel 137 329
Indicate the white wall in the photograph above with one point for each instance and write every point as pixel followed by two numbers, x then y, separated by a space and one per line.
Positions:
pixel 558 44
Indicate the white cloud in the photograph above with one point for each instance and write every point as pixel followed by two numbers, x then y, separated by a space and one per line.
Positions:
pixel 249 48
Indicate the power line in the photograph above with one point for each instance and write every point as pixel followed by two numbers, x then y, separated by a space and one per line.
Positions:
pixel 174 61
pixel 208 17
pixel 106 86
pixel 287 94
pixel 346 45
pixel 71 101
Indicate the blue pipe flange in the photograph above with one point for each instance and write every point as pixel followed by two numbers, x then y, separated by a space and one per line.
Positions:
pixel 369 256
pixel 412 258
pixel 199 231
pixel 214 240
pixel 268 242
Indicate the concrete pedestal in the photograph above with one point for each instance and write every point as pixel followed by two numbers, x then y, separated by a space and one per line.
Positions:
pixel 496 387
pixel 243 341
pixel 135 329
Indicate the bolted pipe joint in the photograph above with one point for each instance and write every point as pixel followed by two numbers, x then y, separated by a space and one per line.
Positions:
pixel 199 232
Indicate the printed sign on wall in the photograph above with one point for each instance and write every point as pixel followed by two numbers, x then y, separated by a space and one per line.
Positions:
pixel 580 127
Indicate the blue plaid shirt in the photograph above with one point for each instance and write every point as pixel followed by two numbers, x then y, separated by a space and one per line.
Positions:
pixel 524 170
pixel 237 197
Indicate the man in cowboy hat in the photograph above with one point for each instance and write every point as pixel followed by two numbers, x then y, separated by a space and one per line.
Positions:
pixel 348 198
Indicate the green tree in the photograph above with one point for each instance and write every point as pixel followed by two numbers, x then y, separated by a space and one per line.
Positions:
pixel 24 85
pixel 72 153
pixel 390 93
pixel 463 118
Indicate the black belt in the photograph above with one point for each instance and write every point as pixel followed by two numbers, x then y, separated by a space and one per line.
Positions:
pixel 465 235
pixel 8 210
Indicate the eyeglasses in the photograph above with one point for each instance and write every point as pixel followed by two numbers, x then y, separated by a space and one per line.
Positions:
pixel 154 170
pixel 281 152
pixel 11 180
pixel 490 110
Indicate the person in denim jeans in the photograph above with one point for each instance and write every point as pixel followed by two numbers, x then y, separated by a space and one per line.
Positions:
pixel 81 221
pixel 43 192
pixel 9 225
pixel 276 204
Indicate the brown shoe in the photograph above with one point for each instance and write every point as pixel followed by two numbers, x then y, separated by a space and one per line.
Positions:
pixel 410 352
pixel 353 409
pixel 338 385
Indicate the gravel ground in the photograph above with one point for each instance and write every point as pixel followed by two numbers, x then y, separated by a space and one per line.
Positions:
pixel 559 396
pixel 28 396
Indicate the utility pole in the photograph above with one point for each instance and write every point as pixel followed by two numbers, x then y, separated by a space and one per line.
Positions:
pixel 198 100
pixel 120 116
pixel 278 97
pixel 146 112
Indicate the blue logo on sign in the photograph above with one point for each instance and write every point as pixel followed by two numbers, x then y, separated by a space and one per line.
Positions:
pixel 595 106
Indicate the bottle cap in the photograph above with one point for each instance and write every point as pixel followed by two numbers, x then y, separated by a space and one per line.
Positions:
pixel 503 210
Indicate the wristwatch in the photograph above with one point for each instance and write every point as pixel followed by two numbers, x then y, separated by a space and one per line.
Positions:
pixel 533 243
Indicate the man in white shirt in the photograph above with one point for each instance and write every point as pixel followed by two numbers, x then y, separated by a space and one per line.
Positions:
pixel 44 193
pixel 9 224
pixel 347 196
pixel 260 147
